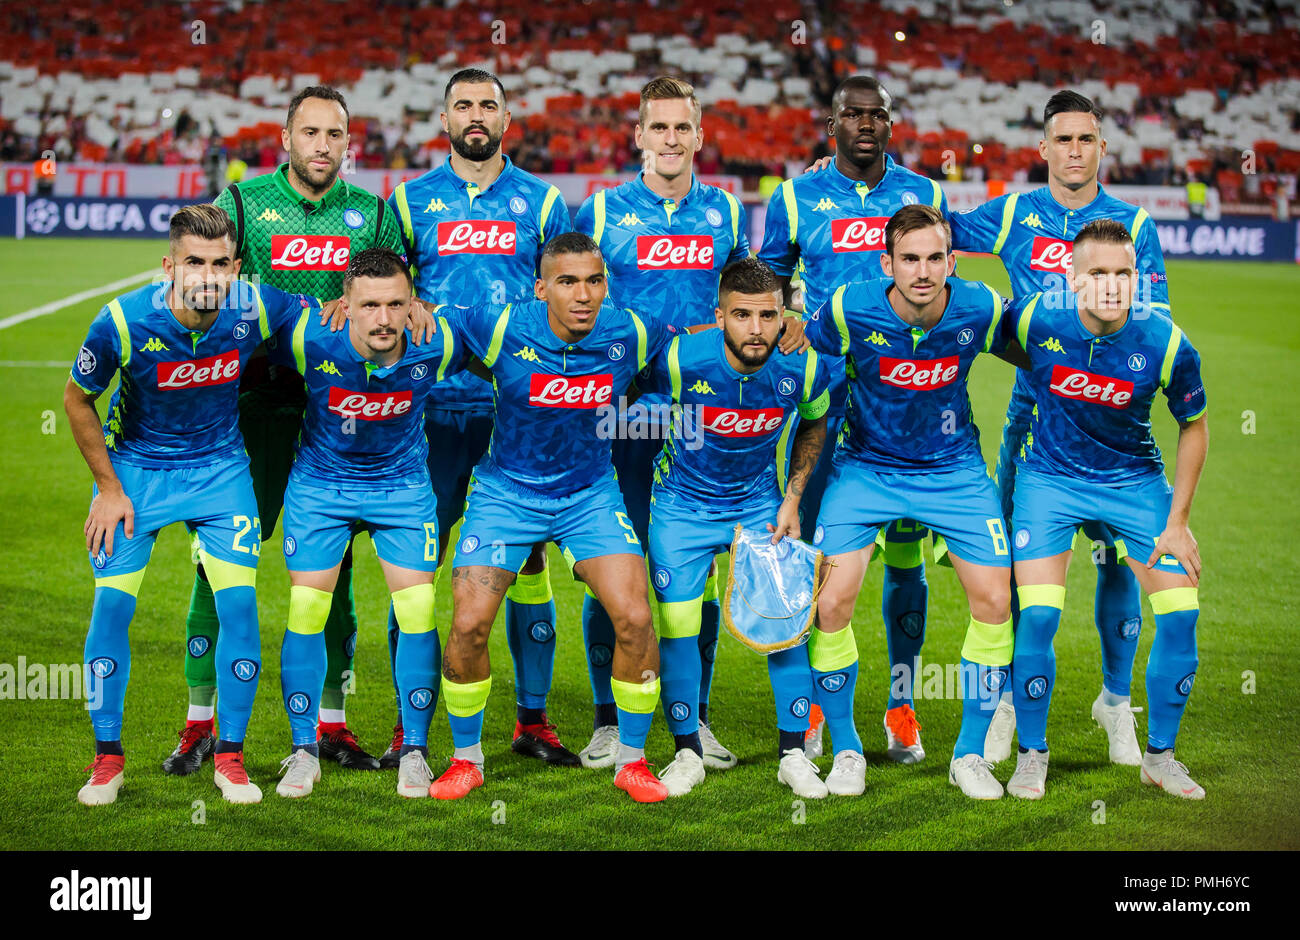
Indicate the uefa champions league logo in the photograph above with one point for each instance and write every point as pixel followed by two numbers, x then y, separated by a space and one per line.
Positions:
pixel 420 698
pixel 799 707
pixel 1036 687
pixel 680 711
pixel 298 703
pixel 714 217
pixel 42 216
pixel 85 361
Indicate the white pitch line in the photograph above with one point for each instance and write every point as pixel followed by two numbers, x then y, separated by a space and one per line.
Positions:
pixel 56 305
pixel 30 364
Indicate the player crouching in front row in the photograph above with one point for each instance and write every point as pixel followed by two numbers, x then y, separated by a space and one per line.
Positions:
pixel 1097 360
pixel 361 466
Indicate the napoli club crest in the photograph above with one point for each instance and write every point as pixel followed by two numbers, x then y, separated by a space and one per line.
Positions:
pixel 965 337
pixel 714 217
pixel 518 206
pixel 198 645
pixel 240 330
pixel 419 371
pixel 786 386
pixel 662 577
pixel 469 544
pixel 1036 687
pixel 1137 362
pixel 103 667
pixel 834 682
pixel 799 707
pixel 909 199
pixel 420 698
pixel 298 703
pixel 290 545
pixel 353 219
pixel 680 711
pixel 617 351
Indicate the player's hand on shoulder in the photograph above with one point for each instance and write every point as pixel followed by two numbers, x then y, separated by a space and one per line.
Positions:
pixel 107 509
pixel 333 315
pixel 819 164
pixel 1177 540
pixel 792 337
pixel 424 321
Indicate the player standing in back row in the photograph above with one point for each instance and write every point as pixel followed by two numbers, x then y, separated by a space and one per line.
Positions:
pixel 830 227
pixel 665 237
pixel 1031 234
pixel 474 229
pixel 295 229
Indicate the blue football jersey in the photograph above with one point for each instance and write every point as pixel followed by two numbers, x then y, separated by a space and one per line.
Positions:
pixel 177 403
pixel 554 403
pixel 908 408
pixel 364 423
pixel 729 448
pixel 663 255
pixel 1093 394
pixel 473 247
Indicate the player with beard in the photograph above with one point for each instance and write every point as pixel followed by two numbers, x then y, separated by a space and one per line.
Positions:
pixel 474 229
pixel 829 227
pixel 295 229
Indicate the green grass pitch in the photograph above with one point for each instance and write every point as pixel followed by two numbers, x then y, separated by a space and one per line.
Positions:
pixel 1238 735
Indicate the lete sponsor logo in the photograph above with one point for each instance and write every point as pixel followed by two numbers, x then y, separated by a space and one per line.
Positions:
pixel 310 252
pixel 368 407
pixel 742 422
pixel 1102 389
pixel 476 237
pixel 919 374
pixel 866 234
pixel 674 252
pixel 565 391
pixel 1050 254
pixel 195 373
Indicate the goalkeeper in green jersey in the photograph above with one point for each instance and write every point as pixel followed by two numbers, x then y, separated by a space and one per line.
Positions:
pixel 295 229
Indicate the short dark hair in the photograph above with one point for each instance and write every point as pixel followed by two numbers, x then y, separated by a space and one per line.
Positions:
pixel 861 83
pixel 913 218
pixel 668 88
pixel 375 262
pixel 748 276
pixel 472 77
pixel 204 220
pixel 1105 231
pixel 1070 102
pixel 323 92
pixel 570 243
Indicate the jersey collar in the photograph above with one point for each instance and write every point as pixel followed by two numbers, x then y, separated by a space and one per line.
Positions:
pixel 720 350
pixel 651 198
pixel 840 181
pixel 335 193
pixel 455 179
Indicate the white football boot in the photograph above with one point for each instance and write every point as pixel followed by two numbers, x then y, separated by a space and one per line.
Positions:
pixel 975 777
pixel 601 749
pixel 905 746
pixel 1029 782
pixel 1163 771
pixel 1121 729
pixel 716 757
pixel 1002 729
pixel 413 775
pixel 812 740
pixel 800 774
pixel 108 773
pixel 685 772
pixel 299 772
pixel 848 776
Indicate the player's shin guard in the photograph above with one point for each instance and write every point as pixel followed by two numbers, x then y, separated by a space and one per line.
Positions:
pixel 1118 612
pixel 340 640
pixel 466 702
pixel 636 709
pixel 530 631
pixel 108 652
pixel 201 626
pixel 710 620
pixel 1034 665
pixel 792 688
pixel 903 604
pixel 834 661
pixel 417 665
pixel 598 636
pixel 302 661
pixel 1171 668
pixel 985 658
pixel 679 664
pixel 239 659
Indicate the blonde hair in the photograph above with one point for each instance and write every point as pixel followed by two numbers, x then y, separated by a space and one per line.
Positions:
pixel 667 88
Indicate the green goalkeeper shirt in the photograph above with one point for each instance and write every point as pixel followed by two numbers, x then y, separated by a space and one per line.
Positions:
pixel 300 245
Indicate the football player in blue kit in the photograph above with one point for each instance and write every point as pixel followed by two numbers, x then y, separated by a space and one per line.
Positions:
pixel 1097 358
pixel 741 405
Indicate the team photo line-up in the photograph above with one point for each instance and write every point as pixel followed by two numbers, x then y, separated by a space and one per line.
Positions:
pixel 449 355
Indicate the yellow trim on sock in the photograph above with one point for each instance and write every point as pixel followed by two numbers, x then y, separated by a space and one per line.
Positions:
pixel 989 644
pixel 1041 595
pixel 679 619
pixel 309 608
pixel 1173 600
pixel 413 607
pixel 639 698
pixel 126 583
pixel 711 588
pixel 830 651
pixel 466 699
pixel 531 588
pixel 226 574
